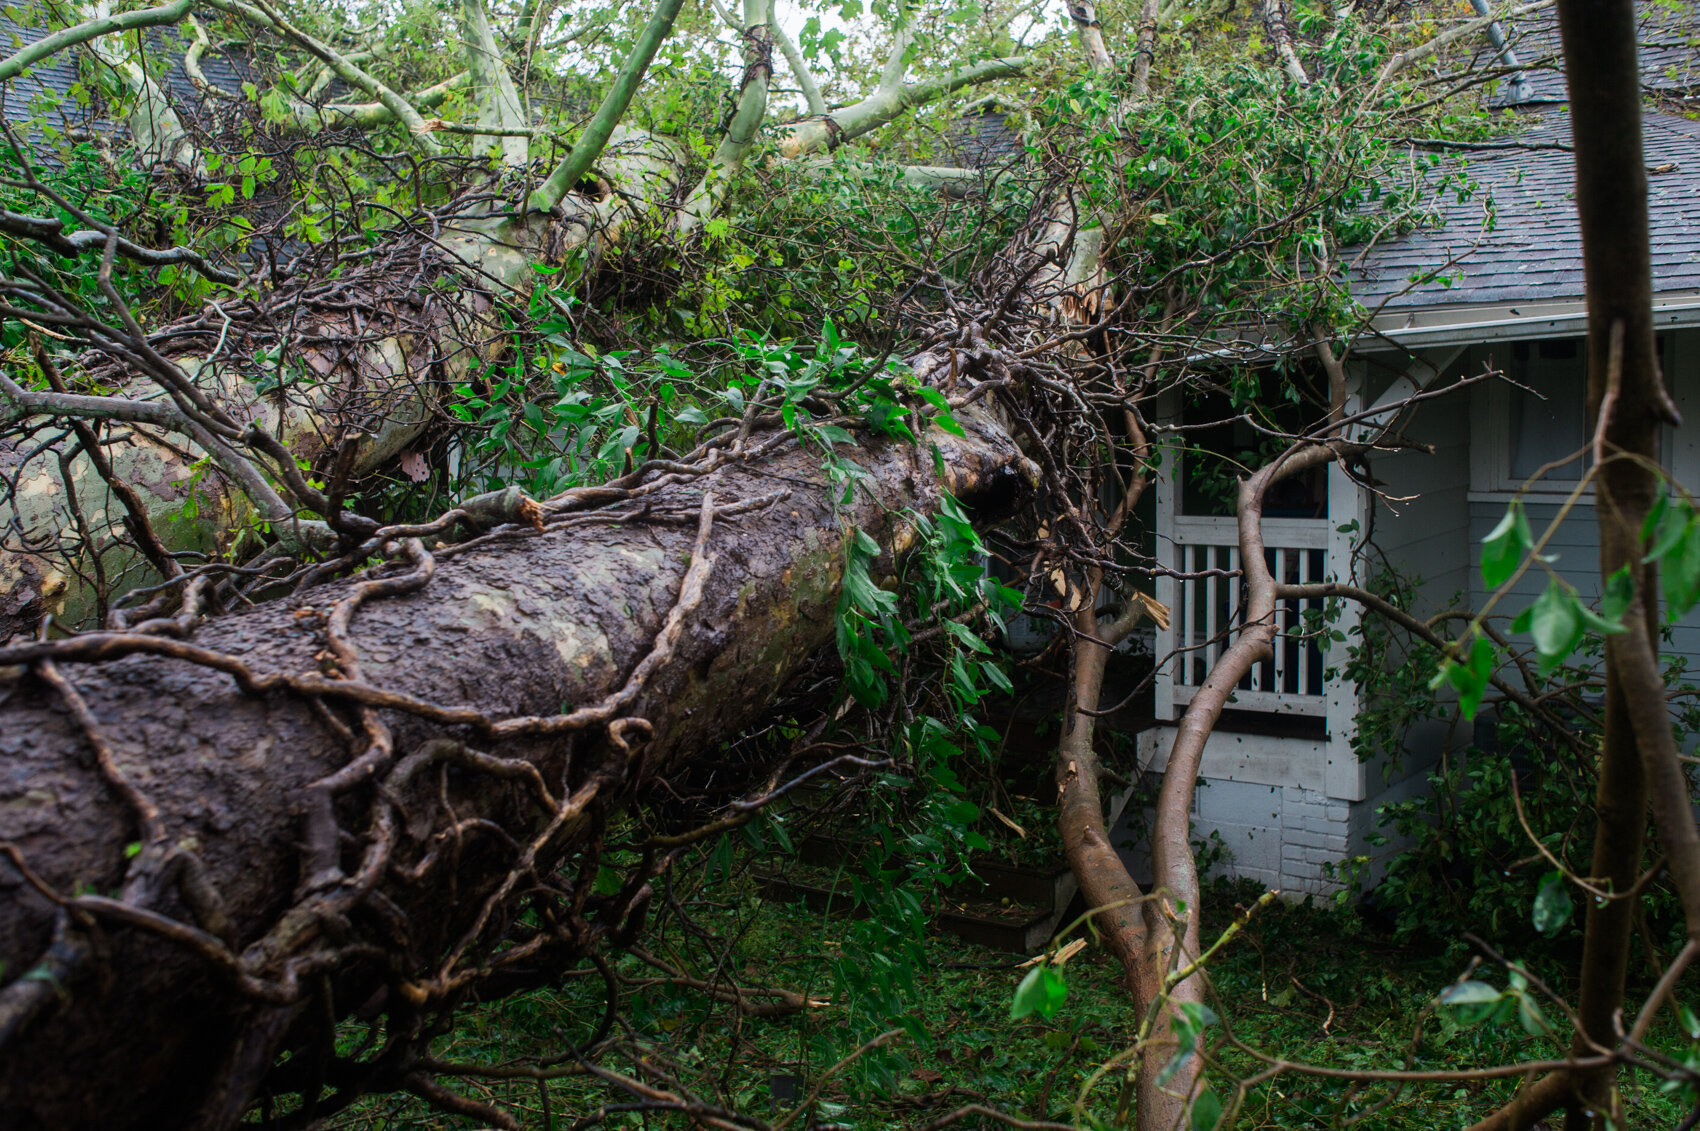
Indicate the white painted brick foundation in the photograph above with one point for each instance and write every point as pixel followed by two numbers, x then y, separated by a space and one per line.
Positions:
pixel 1266 798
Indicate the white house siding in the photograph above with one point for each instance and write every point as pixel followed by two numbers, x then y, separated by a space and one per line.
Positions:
pixel 1266 797
pixel 1576 542
pixel 1423 536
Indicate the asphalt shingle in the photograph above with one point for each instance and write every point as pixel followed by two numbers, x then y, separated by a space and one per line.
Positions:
pixel 1515 238
pixel 1670 50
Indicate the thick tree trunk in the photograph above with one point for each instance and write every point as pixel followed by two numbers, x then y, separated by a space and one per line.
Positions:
pixel 136 1030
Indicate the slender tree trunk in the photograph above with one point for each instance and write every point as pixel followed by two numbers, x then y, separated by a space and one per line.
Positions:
pixel 1628 403
pixel 1627 400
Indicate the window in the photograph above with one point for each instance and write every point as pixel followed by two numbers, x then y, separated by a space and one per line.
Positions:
pixel 1548 433
pixel 1222 444
pixel 1540 422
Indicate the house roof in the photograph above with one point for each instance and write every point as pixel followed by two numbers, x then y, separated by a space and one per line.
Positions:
pixel 1513 243
pixel 47 83
pixel 1669 36
pixel 1506 249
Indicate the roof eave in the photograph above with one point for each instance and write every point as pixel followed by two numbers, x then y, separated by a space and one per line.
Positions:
pixel 1497 322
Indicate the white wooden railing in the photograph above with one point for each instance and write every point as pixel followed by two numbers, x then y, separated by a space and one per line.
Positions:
pixel 1206 609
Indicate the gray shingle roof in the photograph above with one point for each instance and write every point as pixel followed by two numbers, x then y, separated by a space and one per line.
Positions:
pixel 1670 49
pixel 50 80
pixel 48 83
pixel 225 69
pixel 985 138
pixel 1516 237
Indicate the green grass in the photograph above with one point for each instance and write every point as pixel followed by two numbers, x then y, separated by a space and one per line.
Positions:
pixel 1312 984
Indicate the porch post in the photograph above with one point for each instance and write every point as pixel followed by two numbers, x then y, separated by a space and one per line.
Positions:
pixel 1344 777
pixel 1165 551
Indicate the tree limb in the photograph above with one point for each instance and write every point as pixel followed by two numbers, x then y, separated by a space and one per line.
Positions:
pixel 576 164
pixel 103 24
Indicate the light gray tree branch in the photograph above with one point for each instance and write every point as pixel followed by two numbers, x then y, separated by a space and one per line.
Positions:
pixel 590 143
pixel 102 23
pixel 262 14
pixel 498 100
pixel 728 159
pixel 883 105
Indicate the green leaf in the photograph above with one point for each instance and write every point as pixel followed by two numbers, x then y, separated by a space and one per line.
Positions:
pixel 943 417
pixel 1469 993
pixel 1665 526
pixel 1556 624
pixel 1596 623
pixel 933 397
pixel 1470 679
pixel 1188 1027
pixel 1505 546
pixel 1619 595
pixel 1197 1014
pixel 1552 904
pixel 1041 992
pixel 1206 1111
pixel 1529 1014
pixel 607 880
pixel 966 637
pixel 1178 1061
pixel 1679 570
pixel 1654 520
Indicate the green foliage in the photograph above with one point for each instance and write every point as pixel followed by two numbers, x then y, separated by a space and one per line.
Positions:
pixel 1465 857
pixel 1468 677
pixel 111 196
pixel 1506 545
pixel 1240 188
pixel 1042 991
pixel 1314 988
pixel 921 832
pixel 1552 904
pixel 1475 1003
pixel 1192 1023
pixel 836 238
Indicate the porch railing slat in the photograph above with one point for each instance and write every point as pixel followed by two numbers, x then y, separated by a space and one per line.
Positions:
pixel 1209 606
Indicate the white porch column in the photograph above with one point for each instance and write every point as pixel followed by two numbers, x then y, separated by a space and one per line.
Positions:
pixel 1164 549
pixel 1344 777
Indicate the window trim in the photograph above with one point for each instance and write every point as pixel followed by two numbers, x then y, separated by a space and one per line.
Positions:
pixel 1490 451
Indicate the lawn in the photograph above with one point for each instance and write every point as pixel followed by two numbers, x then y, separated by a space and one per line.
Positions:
pixel 1312 982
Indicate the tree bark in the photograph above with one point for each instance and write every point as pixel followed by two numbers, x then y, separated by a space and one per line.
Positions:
pixel 1627 400
pixel 140 1031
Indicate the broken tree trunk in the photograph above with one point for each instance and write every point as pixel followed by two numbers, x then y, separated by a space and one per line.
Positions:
pixel 367 357
pixel 233 868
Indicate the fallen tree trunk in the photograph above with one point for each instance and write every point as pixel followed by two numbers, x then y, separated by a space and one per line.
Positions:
pixel 229 869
